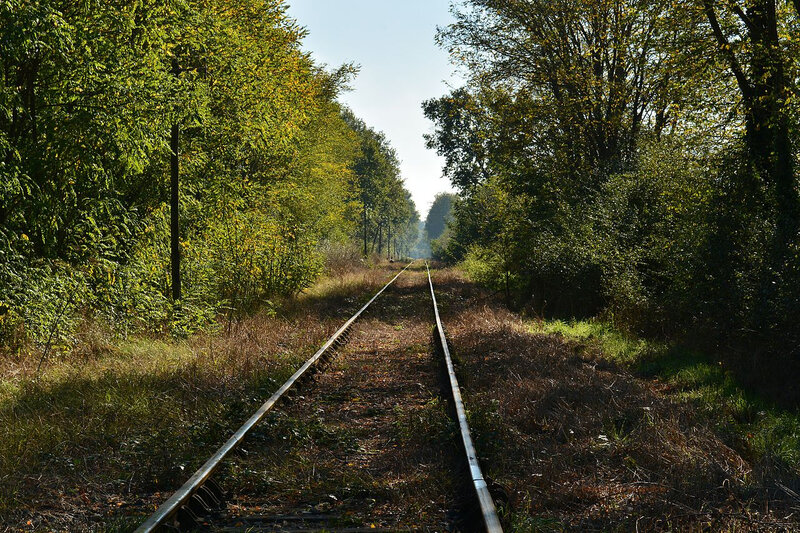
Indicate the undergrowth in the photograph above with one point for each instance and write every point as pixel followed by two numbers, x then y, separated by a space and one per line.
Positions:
pixel 90 431
pixel 766 434
pixel 581 427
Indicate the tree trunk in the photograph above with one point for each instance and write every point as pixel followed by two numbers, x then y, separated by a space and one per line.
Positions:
pixel 765 95
pixel 767 122
pixel 375 237
pixel 389 241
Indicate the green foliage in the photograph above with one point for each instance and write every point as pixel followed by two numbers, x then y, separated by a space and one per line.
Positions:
pixel 272 169
pixel 637 158
pixel 439 215
pixel 250 257
pixel 389 219
pixel 459 138
pixel 440 247
pixel 43 306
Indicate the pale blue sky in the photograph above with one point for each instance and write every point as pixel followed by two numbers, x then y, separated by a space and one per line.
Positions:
pixel 393 42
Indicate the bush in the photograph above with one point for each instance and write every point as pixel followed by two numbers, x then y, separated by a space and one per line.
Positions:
pixel 43 307
pixel 236 262
pixel 441 247
pixel 340 257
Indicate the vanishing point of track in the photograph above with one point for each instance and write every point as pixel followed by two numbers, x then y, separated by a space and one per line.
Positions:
pixel 200 494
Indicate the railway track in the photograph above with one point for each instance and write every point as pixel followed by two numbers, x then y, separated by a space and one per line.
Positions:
pixel 487 508
pixel 201 495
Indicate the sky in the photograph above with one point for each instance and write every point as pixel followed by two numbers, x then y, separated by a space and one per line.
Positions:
pixel 401 66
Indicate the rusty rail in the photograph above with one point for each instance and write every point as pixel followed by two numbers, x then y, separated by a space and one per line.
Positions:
pixel 490 519
pixel 184 495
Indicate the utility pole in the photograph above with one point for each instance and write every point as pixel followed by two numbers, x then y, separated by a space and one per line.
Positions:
pixel 365 228
pixel 174 226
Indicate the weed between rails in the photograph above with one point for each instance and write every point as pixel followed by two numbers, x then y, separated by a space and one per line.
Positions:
pixel 371 443
pixel 83 441
pixel 579 443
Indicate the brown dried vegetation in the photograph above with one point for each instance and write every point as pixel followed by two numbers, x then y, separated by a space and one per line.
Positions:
pixel 110 430
pixel 571 441
pixel 576 443
pixel 370 444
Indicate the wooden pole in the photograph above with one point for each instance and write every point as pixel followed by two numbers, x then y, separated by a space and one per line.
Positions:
pixel 174 217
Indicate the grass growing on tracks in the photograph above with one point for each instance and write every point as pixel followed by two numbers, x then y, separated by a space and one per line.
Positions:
pixel 93 432
pixel 373 443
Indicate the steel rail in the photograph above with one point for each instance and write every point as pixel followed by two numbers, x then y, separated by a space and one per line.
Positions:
pixel 182 496
pixel 488 510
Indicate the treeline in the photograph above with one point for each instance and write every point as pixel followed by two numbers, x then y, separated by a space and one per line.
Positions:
pixel 389 219
pixel 637 157
pixel 437 231
pixel 106 106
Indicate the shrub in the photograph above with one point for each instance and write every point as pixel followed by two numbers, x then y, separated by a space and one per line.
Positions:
pixel 340 257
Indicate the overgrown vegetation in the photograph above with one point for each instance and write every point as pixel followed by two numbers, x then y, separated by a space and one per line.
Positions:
pixel 637 158
pixel 371 445
pixel 101 102
pixel 583 427
pixel 763 432
pixel 439 216
pixel 108 431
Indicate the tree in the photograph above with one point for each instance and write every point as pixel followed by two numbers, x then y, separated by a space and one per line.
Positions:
pixel 95 99
pixel 756 50
pixel 459 137
pixel 632 155
pixel 385 204
pixel 439 215
pixel 592 71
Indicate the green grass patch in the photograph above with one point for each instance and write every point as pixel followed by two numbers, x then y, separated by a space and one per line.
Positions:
pixel 614 344
pixel 108 418
pixel 761 431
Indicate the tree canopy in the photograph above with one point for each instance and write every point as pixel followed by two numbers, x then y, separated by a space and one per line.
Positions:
pixel 439 215
pixel 273 170
pixel 634 156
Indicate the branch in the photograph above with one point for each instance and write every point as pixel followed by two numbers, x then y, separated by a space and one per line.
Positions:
pixel 742 15
pixel 54 325
pixel 727 51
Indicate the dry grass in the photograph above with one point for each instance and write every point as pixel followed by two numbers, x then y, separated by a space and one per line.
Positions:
pixel 580 444
pixel 110 429
pixel 371 443
pixel 574 441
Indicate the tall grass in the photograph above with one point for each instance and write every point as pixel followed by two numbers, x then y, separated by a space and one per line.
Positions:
pixel 97 428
